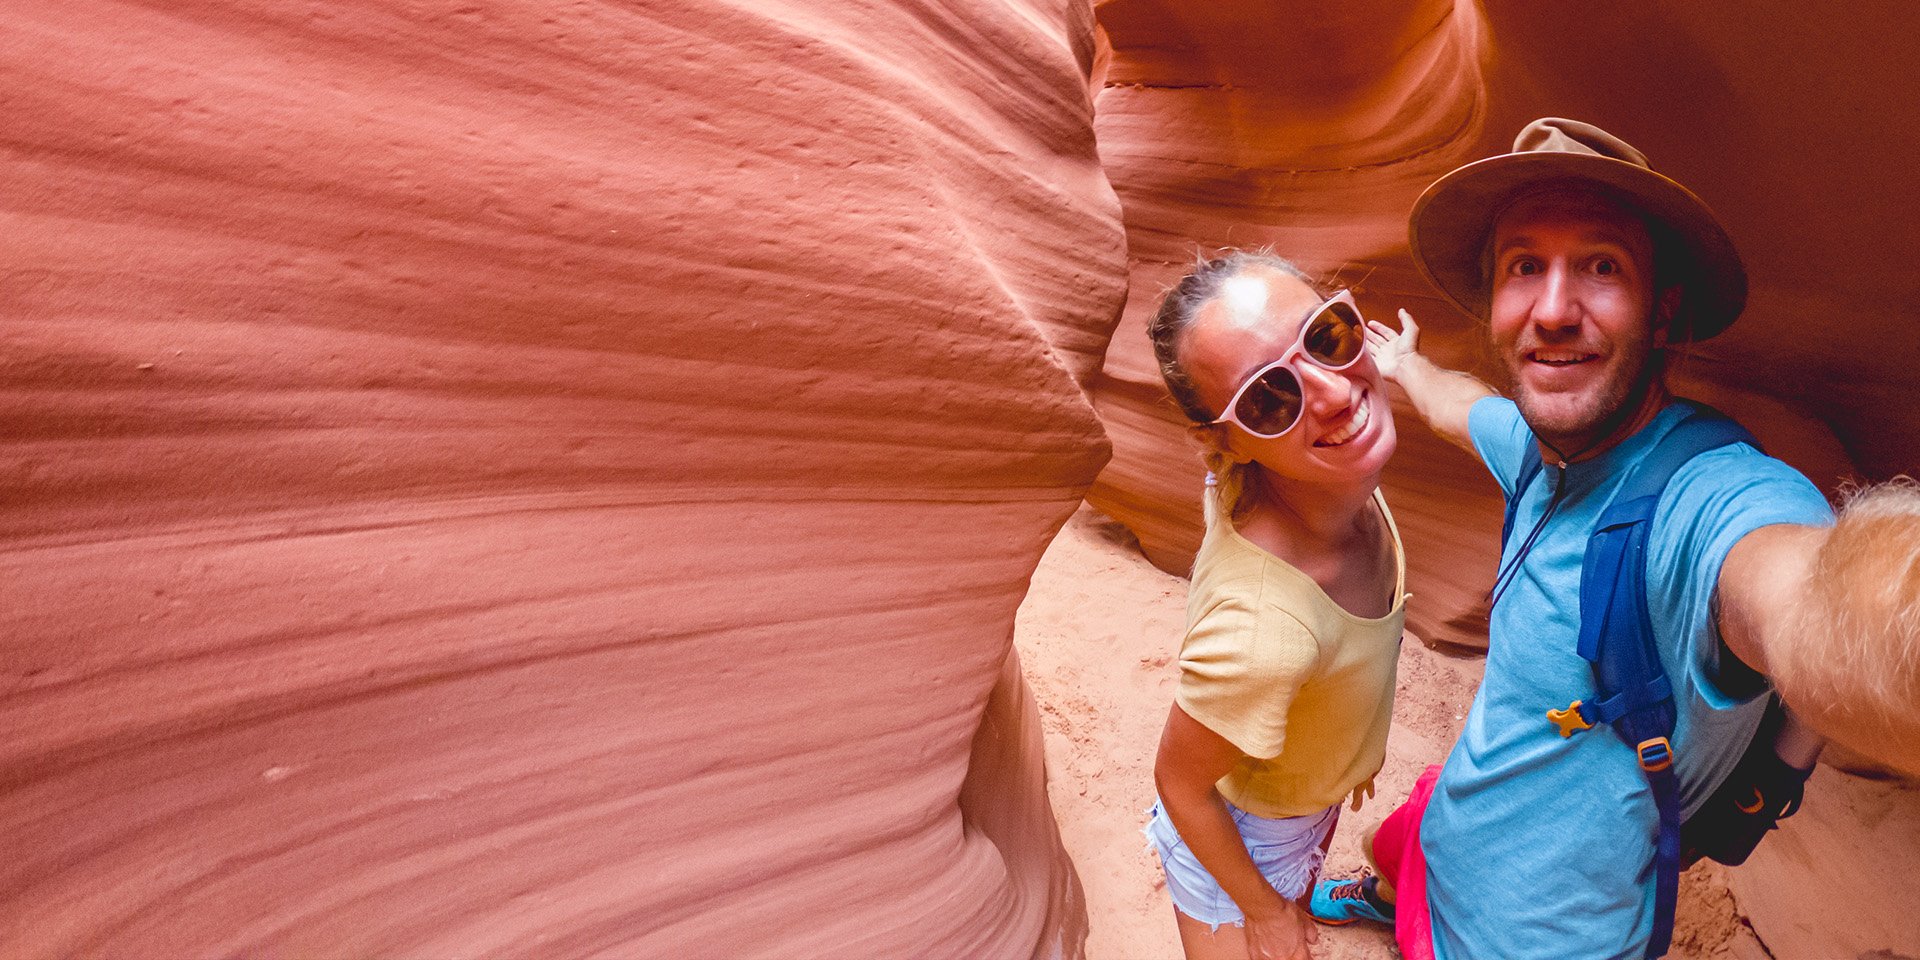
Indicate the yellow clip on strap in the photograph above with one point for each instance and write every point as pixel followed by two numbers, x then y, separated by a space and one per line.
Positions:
pixel 1569 720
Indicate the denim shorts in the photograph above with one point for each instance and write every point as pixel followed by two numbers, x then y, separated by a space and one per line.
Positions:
pixel 1286 849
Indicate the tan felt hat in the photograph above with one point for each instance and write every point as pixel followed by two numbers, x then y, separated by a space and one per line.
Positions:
pixel 1453 221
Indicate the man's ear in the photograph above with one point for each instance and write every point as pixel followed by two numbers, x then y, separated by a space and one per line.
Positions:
pixel 1666 306
pixel 1216 437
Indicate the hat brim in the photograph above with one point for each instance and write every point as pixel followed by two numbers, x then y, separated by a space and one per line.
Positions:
pixel 1452 223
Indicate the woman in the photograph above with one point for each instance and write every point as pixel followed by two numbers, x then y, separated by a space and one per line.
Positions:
pixel 1296 604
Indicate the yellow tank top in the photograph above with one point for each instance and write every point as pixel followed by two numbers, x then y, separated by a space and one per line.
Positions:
pixel 1301 686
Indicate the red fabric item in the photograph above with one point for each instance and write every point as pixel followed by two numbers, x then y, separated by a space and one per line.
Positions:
pixel 1396 851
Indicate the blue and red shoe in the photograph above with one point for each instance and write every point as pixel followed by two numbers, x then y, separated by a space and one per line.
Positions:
pixel 1337 903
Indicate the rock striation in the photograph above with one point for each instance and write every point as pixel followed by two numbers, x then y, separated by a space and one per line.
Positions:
pixel 514 479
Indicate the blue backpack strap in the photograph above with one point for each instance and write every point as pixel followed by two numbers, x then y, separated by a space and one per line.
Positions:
pixel 1530 467
pixel 1616 636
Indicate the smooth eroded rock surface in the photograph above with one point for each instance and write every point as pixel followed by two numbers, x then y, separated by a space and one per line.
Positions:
pixel 516 479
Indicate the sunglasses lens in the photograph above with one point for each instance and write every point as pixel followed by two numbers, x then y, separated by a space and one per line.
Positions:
pixel 1336 336
pixel 1270 404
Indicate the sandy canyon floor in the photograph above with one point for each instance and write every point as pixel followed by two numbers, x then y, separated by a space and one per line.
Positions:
pixel 1099 635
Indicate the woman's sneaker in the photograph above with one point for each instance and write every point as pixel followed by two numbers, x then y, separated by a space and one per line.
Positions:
pixel 1337 903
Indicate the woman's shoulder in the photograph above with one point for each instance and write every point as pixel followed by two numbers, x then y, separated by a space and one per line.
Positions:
pixel 1243 634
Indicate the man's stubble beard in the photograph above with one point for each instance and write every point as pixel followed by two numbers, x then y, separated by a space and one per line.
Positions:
pixel 1617 400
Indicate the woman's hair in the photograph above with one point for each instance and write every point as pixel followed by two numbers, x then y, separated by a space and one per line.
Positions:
pixel 1168 330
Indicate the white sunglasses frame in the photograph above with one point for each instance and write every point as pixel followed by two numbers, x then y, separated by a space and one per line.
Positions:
pixel 1299 349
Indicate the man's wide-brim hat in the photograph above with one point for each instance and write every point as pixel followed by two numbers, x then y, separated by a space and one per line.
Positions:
pixel 1452 222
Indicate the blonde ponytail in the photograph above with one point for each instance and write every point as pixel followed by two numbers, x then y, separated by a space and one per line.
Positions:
pixel 1226 481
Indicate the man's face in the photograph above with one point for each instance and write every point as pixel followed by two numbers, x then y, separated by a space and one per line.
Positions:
pixel 1572 313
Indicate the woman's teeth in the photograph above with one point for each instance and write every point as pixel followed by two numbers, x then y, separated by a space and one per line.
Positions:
pixel 1354 425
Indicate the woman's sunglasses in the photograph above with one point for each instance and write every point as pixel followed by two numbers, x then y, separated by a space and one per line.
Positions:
pixel 1268 403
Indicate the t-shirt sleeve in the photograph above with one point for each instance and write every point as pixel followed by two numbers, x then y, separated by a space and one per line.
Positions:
pixel 1500 436
pixel 1242 665
pixel 1712 503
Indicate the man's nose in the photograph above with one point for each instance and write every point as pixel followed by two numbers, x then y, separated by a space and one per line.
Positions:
pixel 1557 306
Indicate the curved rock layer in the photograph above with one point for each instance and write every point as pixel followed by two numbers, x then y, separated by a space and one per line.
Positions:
pixel 1314 130
pixel 515 479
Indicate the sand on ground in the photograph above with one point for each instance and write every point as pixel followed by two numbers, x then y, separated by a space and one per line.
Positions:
pixel 1099 637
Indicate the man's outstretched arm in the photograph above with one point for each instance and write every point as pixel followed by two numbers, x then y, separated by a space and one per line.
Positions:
pixel 1832 616
pixel 1441 396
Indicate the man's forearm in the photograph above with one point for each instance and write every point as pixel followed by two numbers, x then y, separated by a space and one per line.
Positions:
pixel 1442 397
pixel 1832 616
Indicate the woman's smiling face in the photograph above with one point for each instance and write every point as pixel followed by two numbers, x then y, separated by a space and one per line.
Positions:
pixel 1345 433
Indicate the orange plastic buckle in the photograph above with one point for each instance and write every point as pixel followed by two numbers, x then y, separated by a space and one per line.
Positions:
pixel 1655 755
pixel 1569 720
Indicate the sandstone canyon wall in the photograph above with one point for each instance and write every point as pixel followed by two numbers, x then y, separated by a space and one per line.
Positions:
pixel 1313 128
pixel 538 480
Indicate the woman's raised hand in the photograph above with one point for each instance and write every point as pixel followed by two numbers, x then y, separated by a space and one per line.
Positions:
pixel 1390 346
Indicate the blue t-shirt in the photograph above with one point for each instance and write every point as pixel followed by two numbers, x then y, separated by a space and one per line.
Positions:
pixel 1539 846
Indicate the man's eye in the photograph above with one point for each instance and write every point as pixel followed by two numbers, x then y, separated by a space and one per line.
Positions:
pixel 1606 267
pixel 1523 267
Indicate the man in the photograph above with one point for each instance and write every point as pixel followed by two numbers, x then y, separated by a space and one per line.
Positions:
pixel 1586 265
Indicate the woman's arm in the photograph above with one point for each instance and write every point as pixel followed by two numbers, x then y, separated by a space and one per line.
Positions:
pixel 1191 759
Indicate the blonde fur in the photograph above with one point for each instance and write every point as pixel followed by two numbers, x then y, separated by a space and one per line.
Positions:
pixel 1852 659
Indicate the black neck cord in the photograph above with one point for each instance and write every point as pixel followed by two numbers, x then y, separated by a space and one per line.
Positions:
pixel 1505 578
